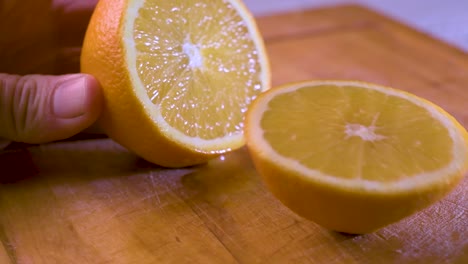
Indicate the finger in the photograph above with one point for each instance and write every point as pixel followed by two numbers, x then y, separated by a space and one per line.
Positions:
pixel 72 20
pixel 67 60
pixel 40 108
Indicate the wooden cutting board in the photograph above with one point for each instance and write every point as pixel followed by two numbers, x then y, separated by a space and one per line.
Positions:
pixel 91 201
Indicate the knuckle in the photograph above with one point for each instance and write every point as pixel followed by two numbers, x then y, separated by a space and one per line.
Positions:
pixel 20 107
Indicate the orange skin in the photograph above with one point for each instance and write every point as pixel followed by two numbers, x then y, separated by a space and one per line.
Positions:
pixel 42 36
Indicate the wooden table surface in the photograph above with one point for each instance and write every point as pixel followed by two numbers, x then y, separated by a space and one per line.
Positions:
pixel 91 201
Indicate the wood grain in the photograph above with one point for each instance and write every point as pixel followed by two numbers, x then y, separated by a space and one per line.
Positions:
pixel 91 201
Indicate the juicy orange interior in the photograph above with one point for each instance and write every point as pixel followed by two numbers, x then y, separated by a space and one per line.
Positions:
pixel 200 71
pixel 354 132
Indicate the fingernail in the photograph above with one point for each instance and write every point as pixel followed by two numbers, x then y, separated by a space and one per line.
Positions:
pixel 69 98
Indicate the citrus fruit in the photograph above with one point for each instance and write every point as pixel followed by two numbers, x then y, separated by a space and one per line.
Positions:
pixel 353 156
pixel 177 76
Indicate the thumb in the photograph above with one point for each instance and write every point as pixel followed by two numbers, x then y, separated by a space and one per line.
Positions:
pixel 41 108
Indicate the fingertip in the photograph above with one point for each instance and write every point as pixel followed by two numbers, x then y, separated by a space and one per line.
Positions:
pixel 94 97
pixel 77 100
pixel 77 105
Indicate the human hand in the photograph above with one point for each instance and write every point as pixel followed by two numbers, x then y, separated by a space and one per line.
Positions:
pixel 40 44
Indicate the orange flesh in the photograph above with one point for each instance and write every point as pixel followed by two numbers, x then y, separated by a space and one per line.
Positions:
pixel 361 127
pixel 198 70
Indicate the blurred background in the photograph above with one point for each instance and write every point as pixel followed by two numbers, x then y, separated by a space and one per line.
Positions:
pixel 443 19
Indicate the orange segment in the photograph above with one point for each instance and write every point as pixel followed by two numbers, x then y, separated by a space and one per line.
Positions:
pixel 181 75
pixel 326 147
pixel 374 144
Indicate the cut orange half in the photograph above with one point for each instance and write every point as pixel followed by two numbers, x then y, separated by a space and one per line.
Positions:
pixel 354 156
pixel 178 76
